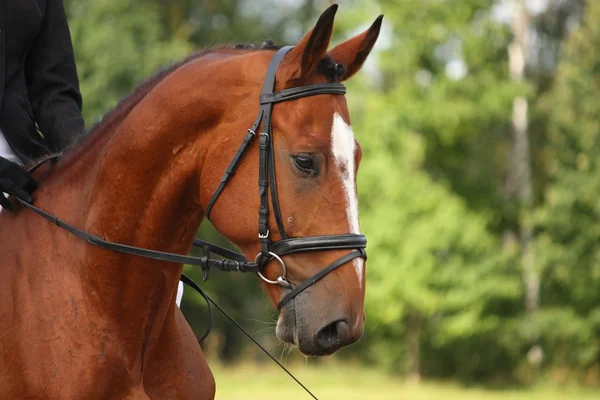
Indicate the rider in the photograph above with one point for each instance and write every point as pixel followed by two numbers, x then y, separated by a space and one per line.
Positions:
pixel 40 101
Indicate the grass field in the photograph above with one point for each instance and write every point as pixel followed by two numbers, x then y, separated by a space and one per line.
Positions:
pixel 266 382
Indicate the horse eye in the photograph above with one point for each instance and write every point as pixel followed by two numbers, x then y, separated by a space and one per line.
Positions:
pixel 304 163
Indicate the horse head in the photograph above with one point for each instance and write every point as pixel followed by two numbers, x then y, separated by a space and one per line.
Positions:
pixel 316 158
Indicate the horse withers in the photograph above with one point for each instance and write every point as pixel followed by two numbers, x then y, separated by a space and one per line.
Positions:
pixel 79 322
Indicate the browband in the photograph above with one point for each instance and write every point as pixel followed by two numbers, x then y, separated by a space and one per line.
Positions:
pixel 302 91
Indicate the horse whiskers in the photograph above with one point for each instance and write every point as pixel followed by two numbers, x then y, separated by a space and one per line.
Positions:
pixel 270 328
pixel 283 355
pixel 262 322
pixel 288 348
pixel 286 351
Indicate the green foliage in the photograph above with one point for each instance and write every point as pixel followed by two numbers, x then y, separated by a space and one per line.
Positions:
pixel 569 219
pixel 447 71
pixel 435 270
pixel 215 22
pixel 432 257
pixel 117 45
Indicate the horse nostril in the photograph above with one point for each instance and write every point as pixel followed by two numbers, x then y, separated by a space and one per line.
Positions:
pixel 333 336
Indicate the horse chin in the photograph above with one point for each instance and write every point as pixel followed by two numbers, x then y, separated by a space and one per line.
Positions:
pixel 293 332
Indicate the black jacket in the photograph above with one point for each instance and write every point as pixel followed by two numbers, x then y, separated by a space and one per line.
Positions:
pixel 38 79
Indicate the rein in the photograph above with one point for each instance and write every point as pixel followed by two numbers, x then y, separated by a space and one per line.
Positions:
pixel 270 250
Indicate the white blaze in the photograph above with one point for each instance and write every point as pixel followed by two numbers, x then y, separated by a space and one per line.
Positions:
pixel 343 148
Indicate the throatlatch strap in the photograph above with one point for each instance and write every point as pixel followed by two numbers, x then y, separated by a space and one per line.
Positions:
pixel 234 162
pixel 230 171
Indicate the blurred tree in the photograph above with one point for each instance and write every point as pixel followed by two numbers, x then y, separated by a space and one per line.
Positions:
pixel 436 276
pixel 215 22
pixel 444 80
pixel 519 171
pixel 117 44
pixel 569 220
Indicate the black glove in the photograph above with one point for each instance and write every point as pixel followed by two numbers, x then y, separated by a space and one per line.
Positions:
pixel 16 181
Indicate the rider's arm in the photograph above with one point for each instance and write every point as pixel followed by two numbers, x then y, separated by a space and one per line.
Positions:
pixel 52 81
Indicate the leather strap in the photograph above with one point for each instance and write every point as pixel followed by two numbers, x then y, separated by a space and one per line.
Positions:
pixel 263 191
pixel 230 171
pixel 205 262
pixel 319 243
pixel 273 181
pixel 320 275
pixel 52 157
pixel 188 281
pixel 302 91
pixel 268 89
pixel 269 83
pixel 222 251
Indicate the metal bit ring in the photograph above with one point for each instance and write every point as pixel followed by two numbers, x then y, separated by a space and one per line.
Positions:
pixel 282 279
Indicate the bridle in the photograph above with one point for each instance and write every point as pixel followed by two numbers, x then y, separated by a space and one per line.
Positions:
pixel 267 183
pixel 270 250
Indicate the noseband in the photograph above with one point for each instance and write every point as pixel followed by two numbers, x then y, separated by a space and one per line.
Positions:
pixel 266 183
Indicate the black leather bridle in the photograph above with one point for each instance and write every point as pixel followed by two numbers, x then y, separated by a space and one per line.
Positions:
pixel 234 261
pixel 267 182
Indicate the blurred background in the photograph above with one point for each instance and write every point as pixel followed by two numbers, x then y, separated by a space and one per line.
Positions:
pixel 478 190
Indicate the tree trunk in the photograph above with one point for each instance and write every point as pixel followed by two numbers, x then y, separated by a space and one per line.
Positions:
pixel 521 161
pixel 414 325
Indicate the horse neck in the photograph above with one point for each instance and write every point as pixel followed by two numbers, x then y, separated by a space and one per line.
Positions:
pixel 141 187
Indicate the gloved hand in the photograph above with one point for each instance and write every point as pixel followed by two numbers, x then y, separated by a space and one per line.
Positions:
pixel 16 181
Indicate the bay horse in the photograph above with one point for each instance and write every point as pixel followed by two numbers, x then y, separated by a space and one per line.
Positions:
pixel 81 322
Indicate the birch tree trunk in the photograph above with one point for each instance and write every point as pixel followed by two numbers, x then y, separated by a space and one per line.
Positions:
pixel 521 167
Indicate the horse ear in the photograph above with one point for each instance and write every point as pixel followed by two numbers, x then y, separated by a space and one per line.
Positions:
pixel 353 52
pixel 305 56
